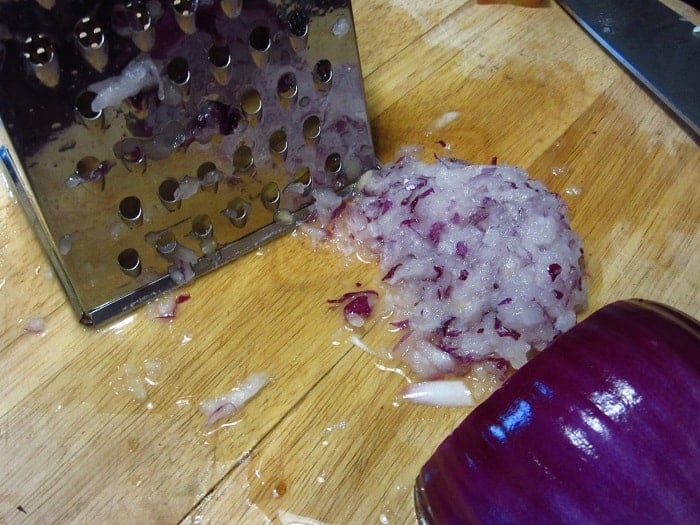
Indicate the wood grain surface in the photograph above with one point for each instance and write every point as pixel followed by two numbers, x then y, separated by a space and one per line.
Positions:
pixel 328 439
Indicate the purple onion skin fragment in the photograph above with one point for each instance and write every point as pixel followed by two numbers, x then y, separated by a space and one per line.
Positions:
pixel 601 427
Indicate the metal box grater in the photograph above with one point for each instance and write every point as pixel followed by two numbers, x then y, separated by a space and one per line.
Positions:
pixel 151 142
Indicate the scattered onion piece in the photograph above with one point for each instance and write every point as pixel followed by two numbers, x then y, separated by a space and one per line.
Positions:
pixel 139 74
pixel 446 393
pixel 165 306
pixel 34 325
pixel 65 243
pixel 182 268
pixel 187 187
pixel 224 405
pixel 182 298
pixel 357 306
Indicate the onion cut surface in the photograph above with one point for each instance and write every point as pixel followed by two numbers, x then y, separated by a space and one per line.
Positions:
pixel 601 427
pixel 477 261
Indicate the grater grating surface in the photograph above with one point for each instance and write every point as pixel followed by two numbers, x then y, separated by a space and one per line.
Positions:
pixel 152 142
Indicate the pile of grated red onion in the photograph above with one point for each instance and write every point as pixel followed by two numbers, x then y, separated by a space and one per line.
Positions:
pixel 478 262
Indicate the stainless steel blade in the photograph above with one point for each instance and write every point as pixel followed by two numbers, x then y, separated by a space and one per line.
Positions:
pixel 653 43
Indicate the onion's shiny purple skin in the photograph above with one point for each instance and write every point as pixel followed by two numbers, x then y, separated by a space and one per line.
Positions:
pixel 603 426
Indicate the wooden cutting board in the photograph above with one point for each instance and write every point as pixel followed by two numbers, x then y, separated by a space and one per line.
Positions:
pixel 328 438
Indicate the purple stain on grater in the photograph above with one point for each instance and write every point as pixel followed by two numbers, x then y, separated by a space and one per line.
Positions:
pixel 161 101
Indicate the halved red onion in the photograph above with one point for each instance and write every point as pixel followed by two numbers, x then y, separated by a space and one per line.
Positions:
pixel 600 427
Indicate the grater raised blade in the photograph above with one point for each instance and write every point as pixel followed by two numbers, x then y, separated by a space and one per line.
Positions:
pixel 151 142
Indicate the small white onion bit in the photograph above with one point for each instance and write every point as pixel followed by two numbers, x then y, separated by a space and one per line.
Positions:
pixel 226 404
pixel 35 325
pixel 439 393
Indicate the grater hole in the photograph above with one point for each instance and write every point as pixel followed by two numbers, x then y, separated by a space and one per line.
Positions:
pixel 333 163
pixel 139 105
pixel 179 71
pixel 184 7
pixel 130 210
pixel 323 75
pixel 135 155
pixel 301 182
pixel 312 129
pixel 38 50
pixel 130 262
pixel 139 23
pixel 185 11
pixel 251 103
pixel 202 226
pixel 243 158
pixel 231 8
pixel 260 39
pixel 208 176
pixel 237 212
pixel 167 191
pixel 165 243
pixel 287 89
pixel 278 144
pixel 87 168
pixel 219 56
pixel 140 15
pixel 205 169
pixel 83 106
pixel 260 42
pixel 89 33
pixel 298 23
pixel 270 196
pixel 303 176
pixel 220 63
pixel 91 42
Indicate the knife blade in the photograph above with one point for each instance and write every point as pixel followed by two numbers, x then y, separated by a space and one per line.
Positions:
pixel 655 44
